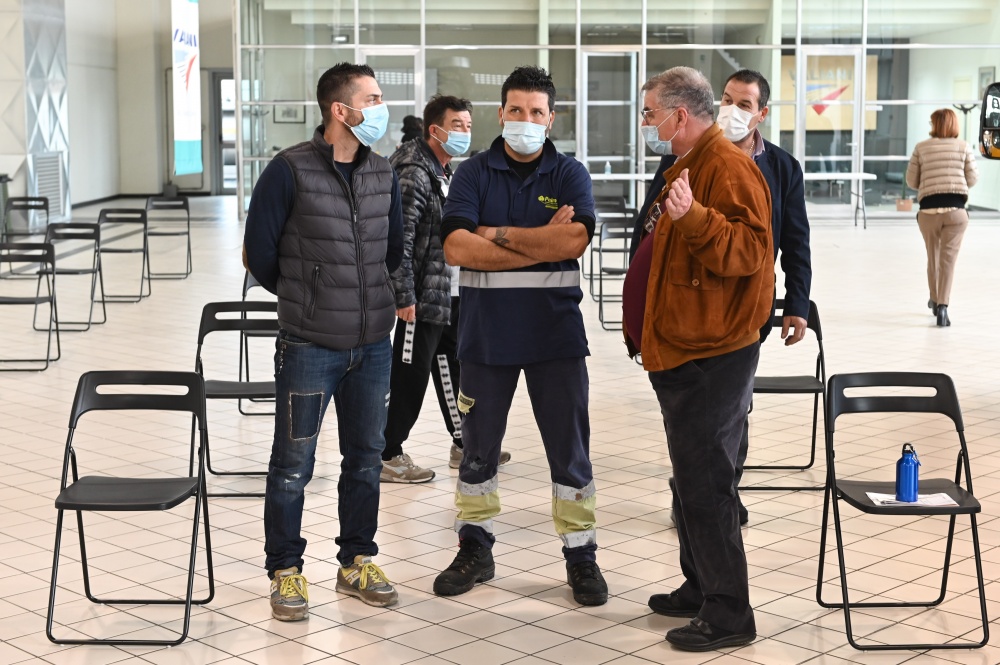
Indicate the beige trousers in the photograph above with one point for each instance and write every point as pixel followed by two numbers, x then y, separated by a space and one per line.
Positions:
pixel 943 237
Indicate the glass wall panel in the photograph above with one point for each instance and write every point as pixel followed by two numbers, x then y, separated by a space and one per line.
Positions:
pixel 302 22
pixel 610 22
pixel 827 22
pixel 715 23
pixel 937 22
pixel 385 22
pixel 287 74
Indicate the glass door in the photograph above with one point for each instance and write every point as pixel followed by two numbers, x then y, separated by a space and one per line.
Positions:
pixel 608 120
pixel 831 119
pixel 224 145
pixel 400 77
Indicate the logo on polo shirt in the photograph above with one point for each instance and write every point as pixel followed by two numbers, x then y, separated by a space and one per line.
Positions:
pixel 549 202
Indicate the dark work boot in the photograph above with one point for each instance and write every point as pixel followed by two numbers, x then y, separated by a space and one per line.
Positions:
pixel 472 565
pixel 589 587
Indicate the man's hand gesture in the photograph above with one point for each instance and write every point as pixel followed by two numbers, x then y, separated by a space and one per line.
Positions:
pixel 679 199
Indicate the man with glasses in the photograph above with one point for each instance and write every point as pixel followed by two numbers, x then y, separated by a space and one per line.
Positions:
pixel 744 107
pixel 518 217
pixel 323 230
pixel 704 269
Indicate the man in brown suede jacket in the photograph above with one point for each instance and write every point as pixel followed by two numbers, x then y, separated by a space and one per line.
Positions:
pixel 696 294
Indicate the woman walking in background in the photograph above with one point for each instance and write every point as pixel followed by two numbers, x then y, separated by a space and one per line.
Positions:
pixel 942 169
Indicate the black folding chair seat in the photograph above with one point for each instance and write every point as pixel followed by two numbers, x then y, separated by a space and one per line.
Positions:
pixel 110 494
pixel 791 385
pixel 944 401
pixel 238 389
pixel 855 493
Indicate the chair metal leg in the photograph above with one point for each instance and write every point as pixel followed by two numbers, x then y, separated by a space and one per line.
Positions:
pixel 812 460
pixel 208 467
pixel 188 265
pixel 245 361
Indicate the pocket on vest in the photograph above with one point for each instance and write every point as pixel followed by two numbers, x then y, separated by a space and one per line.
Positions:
pixel 313 290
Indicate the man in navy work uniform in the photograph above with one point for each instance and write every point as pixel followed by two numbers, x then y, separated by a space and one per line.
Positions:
pixel 743 108
pixel 517 218
pixel 323 231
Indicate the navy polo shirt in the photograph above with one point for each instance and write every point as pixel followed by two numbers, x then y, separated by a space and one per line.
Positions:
pixel 530 314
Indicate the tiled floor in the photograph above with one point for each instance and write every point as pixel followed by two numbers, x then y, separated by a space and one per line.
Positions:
pixel 869 287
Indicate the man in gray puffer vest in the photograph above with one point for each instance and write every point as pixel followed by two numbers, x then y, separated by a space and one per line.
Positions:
pixel 324 229
pixel 426 336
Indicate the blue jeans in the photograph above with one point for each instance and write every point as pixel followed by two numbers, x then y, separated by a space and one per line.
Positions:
pixel 306 376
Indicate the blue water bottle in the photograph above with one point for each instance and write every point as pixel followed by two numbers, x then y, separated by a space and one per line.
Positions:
pixel 907 474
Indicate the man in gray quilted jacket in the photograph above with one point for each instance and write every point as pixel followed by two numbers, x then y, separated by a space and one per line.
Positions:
pixel 426 288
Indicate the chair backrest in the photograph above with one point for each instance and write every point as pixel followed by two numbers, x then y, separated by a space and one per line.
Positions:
pixel 27 203
pixel 122 216
pixel 613 206
pixel 943 401
pixel 168 203
pixel 28 252
pixel 212 322
pixel 89 397
pixel 618 229
pixel 88 231
pixel 812 322
pixel 249 281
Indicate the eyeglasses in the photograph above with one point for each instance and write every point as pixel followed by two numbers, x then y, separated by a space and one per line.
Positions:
pixel 645 113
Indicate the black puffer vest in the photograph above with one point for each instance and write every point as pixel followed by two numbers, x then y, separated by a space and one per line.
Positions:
pixel 334 288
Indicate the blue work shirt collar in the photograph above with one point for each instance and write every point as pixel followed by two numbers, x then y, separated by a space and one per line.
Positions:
pixel 550 156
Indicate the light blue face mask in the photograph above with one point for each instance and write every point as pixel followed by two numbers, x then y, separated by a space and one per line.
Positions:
pixel 652 136
pixel 524 138
pixel 457 144
pixel 372 128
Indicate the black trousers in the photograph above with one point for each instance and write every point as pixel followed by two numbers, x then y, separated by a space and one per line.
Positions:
pixel 419 351
pixel 704 405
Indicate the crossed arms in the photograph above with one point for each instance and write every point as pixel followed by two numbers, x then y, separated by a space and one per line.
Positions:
pixel 507 247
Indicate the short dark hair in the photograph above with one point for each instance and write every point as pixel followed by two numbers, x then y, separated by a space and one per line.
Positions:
pixel 529 79
pixel 336 85
pixel 749 76
pixel 438 107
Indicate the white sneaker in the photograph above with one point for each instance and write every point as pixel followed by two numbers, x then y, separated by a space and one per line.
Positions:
pixel 455 457
pixel 401 469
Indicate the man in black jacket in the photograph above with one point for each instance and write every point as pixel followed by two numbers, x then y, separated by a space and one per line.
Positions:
pixel 426 336
pixel 744 106
pixel 323 230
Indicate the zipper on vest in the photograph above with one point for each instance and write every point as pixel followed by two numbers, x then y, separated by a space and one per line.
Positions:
pixel 312 296
pixel 361 274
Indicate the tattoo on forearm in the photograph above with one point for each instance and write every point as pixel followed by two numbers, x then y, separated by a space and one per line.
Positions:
pixel 501 237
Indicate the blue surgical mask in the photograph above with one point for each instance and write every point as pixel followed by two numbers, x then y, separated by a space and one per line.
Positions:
pixel 524 138
pixel 652 136
pixel 457 144
pixel 372 128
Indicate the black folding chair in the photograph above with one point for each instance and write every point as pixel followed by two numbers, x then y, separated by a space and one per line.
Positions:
pixel 804 384
pixel 85 232
pixel 249 282
pixel 855 492
pixel 612 265
pixel 42 259
pixel 102 391
pixel 158 229
pixel 25 204
pixel 606 209
pixel 250 320
pixel 122 218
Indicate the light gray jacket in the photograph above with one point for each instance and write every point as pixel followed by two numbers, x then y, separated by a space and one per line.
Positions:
pixel 942 166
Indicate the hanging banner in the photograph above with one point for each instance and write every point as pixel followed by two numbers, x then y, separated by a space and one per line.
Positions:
pixel 187 87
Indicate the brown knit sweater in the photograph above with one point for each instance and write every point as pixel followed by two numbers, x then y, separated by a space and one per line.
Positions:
pixel 712 276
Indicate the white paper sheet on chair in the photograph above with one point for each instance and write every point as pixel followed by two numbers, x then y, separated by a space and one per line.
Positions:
pixel 940 499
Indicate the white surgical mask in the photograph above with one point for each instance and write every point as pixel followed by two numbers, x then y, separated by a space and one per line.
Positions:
pixel 524 138
pixel 735 122
pixel 651 135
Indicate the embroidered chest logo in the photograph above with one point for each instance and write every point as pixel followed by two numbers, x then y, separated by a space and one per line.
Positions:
pixel 549 202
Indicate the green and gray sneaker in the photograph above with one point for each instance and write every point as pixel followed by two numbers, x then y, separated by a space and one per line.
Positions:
pixel 366 581
pixel 289 595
